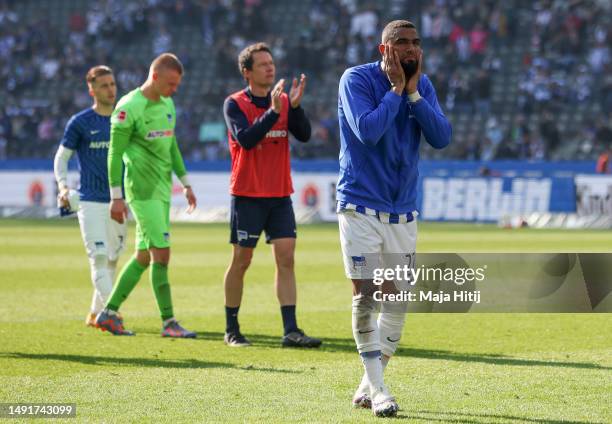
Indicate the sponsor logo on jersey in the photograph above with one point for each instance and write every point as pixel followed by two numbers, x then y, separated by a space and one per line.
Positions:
pixel 99 144
pixel 276 133
pixel 122 116
pixel 151 135
pixel 93 132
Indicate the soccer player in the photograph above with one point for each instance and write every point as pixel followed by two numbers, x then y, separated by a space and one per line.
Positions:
pixel 384 107
pixel 88 133
pixel 259 119
pixel 142 138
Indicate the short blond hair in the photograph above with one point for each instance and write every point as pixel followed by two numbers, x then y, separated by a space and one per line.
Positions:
pixel 167 61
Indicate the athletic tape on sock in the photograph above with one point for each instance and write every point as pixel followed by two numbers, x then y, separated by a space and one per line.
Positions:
pixel 365 327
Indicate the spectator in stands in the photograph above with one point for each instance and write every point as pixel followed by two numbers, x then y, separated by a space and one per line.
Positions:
pixel 567 71
pixel 207 22
pixel 603 163
pixel 549 131
pixel 365 23
pixel 537 149
pixel 254 22
pixel 162 42
pixel 603 132
pixel 7 15
pixel 482 91
pixel 606 91
pixel 478 42
pixel 487 150
pixel 506 150
pixel 471 149
pixel 3 145
pixel 599 56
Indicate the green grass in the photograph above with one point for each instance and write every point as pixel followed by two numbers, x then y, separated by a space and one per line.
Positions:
pixel 461 368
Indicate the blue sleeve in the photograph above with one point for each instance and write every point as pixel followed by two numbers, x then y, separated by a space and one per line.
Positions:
pixel 298 124
pixel 237 122
pixel 367 118
pixel 72 134
pixel 428 113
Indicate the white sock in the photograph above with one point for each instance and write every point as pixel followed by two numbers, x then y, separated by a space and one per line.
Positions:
pixel 367 338
pixel 374 371
pixel 390 325
pixel 96 302
pixel 100 277
pixel 364 386
pixel 365 328
pixel 112 269
pixel 385 361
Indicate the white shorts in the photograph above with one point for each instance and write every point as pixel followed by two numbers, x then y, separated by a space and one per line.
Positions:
pixel 101 234
pixel 368 244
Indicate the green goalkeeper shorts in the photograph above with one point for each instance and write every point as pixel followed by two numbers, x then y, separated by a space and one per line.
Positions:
pixel 152 223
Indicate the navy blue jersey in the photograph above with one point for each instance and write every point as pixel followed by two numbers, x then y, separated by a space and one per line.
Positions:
pixel 88 133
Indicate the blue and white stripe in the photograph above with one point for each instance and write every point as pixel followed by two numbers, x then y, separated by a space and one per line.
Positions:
pixel 384 217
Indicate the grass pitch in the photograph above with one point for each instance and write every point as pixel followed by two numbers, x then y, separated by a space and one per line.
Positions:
pixel 459 368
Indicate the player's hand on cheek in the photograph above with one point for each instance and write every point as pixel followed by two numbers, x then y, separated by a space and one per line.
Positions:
pixel 191 199
pixel 393 69
pixel 411 87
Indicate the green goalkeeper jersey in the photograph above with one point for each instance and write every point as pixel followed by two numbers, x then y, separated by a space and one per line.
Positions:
pixel 142 138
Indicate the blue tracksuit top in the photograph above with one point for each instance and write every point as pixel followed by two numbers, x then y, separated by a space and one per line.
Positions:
pixel 379 139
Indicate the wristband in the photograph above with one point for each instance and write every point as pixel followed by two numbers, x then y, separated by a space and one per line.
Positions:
pixel 185 181
pixel 414 97
pixel 116 193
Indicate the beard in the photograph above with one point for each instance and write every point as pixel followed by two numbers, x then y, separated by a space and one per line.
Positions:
pixel 410 68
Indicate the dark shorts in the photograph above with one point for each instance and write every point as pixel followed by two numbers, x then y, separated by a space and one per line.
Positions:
pixel 251 215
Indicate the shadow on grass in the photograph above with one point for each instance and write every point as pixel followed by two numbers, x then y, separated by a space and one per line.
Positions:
pixel 461 417
pixel 139 362
pixel 348 345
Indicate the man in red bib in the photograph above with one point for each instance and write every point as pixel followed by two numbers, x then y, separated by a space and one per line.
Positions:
pixel 259 119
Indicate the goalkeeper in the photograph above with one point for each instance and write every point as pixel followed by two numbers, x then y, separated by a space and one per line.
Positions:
pixel 142 138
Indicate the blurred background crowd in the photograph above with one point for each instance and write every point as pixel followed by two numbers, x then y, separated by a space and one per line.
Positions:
pixel 518 79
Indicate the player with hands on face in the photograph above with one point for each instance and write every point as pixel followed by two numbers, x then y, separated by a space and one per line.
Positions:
pixel 383 109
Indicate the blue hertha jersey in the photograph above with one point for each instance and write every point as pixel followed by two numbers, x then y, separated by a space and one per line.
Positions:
pixel 88 133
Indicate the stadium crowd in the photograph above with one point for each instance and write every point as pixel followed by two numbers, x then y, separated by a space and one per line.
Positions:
pixel 561 48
